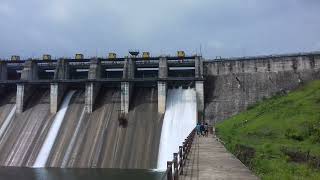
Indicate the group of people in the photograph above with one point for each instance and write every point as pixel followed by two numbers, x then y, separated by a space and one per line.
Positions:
pixel 202 129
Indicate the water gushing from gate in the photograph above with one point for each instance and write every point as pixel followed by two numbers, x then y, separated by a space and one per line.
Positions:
pixel 53 132
pixel 179 120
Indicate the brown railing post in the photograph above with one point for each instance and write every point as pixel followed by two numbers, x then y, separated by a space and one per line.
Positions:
pixel 169 170
pixel 175 166
pixel 180 160
pixel 184 147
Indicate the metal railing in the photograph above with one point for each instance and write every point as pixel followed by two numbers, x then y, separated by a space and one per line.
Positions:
pixel 176 166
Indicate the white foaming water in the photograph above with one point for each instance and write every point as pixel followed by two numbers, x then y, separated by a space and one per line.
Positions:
pixel 53 132
pixel 7 120
pixel 179 120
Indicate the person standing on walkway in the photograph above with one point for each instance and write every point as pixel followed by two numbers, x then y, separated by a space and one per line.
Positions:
pixel 198 129
pixel 206 129
pixel 202 129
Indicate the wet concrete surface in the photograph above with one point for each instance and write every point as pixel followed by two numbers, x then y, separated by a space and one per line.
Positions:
pixel 97 141
pixel 85 140
pixel 22 139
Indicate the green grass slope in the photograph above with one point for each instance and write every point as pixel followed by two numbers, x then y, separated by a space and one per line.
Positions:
pixel 278 138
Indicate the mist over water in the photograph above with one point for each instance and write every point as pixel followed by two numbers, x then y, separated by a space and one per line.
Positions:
pixel 53 132
pixel 179 120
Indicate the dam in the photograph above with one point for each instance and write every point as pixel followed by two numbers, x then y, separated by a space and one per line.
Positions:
pixel 95 112
pixel 131 112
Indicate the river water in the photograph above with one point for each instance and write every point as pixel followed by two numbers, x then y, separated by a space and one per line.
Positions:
pixel 8 173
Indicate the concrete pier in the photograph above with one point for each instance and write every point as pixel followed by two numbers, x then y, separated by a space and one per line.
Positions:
pixel 56 95
pixel 162 85
pixel 57 90
pixel 20 98
pixel 200 99
pixel 128 69
pixel 127 87
pixel 198 68
pixel 125 97
pixel 29 72
pixel 92 89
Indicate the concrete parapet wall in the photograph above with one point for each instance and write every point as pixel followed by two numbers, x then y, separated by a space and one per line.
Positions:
pixel 232 85
pixel 278 64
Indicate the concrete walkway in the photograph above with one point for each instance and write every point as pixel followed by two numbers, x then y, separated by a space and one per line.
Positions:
pixel 210 160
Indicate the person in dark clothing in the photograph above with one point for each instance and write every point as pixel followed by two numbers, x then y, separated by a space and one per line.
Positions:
pixel 206 129
pixel 202 129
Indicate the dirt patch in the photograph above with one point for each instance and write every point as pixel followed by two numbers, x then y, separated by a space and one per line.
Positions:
pixel 302 157
pixel 245 154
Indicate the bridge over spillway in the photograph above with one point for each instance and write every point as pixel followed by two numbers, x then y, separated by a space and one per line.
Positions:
pixel 63 73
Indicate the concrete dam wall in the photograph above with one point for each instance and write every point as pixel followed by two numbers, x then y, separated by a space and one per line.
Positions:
pixel 91 113
pixel 84 140
pixel 231 85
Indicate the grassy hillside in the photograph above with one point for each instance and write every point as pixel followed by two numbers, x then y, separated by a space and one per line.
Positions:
pixel 278 138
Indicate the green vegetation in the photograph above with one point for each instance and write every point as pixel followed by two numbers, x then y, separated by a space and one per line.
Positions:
pixel 278 138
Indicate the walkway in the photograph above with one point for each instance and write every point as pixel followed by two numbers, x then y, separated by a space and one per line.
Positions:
pixel 209 160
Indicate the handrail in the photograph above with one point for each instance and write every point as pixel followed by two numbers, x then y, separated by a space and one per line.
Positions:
pixel 175 167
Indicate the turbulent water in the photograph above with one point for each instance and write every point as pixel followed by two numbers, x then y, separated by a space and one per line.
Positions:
pixel 179 120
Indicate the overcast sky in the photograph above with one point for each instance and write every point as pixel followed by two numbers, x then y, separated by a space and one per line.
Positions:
pixel 221 27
